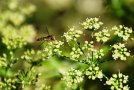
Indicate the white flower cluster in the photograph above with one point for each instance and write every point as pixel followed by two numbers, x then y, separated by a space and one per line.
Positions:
pixel 12 38
pixel 3 61
pixel 41 55
pixel 16 34
pixel 94 54
pixel 17 11
pixel 17 39
pixel 102 36
pixel 120 52
pixel 32 56
pixel 27 79
pixel 118 81
pixel 55 47
pixel 123 32
pixel 51 49
pixel 28 33
pixel 8 84
pixel 97 54
pixel 75 53
pixel 17 42
pixel 91 24
pixel 87 45
pixel 90 52
pixel 93 72
pixel 73 77
pixel 48 51
pixel 72 34
pixel 15 5
pixel 10 57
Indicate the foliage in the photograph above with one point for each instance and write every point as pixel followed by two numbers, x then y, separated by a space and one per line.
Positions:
pixel 17 34
pixel 123 10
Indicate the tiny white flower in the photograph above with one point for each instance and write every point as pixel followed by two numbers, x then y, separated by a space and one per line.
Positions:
pixel 92 23
pixel 108 82
pixel 125 88
pixel 100 75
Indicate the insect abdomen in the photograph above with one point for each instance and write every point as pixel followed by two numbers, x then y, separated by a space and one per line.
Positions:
pixel 40 39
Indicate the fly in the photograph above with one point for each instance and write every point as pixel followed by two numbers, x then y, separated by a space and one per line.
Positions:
pixel 46 38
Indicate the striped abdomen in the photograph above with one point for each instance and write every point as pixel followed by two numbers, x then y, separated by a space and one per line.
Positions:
pixel 47 38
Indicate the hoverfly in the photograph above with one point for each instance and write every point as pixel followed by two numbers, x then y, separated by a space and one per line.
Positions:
pixel 46 38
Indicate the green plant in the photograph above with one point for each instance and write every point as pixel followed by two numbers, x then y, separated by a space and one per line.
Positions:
pixel 18 64
pixel 122 10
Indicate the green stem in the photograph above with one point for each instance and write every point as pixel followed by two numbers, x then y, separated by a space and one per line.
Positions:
pixel 105 77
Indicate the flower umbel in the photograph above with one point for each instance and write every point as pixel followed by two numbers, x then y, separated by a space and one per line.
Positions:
pixel 76 53
pixel 94 72
pixel 55 47
pixel 102 36
pixel 3 61
pixel 72 34
pixel 91 24
pixel 87 46
pixel 91 52
pixel 17 39
pixel 118 82
pixel 48 51
pixel 8 84
pixel 73 77
pixel 120 52
pixel 122 32
pixel 27 77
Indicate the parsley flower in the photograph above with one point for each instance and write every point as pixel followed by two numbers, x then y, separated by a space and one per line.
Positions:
pixel 118 82
pixel 73 77
pixel 120 52
pixel 76 53
pixel 122 32
pixel 94 72
pixel 102 36
pixel 91 24
pixel 72 34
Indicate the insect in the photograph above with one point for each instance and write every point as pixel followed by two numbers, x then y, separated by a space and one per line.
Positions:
pixel 46 38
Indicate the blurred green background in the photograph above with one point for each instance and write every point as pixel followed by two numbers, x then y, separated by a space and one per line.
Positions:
pixel 59 15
